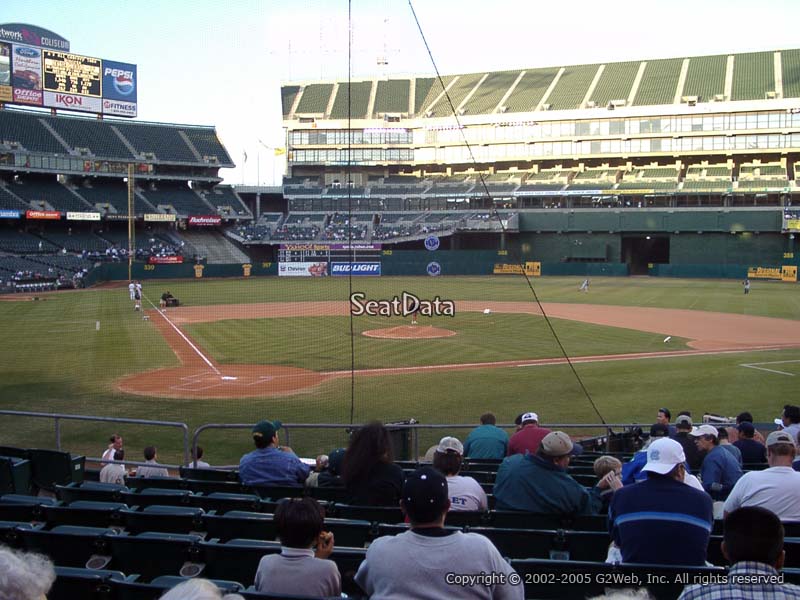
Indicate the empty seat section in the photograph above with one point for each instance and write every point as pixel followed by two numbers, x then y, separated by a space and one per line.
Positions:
pixel 163 141
pixel 27 130
pixel 96 136
pixel 51 192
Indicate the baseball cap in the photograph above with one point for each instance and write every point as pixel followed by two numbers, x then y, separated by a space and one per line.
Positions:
pixel 663 455
pixel 659 430
pixel 529 416
pixel 266 429
pixel 558 443
pixel 747 427
pixel 705 430
pixel 425 495
pixel 335 459
pixel 450 444
pixel 684 420
pixel 779 437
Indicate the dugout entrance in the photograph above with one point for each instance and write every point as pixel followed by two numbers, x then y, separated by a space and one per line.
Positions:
pixel 640 251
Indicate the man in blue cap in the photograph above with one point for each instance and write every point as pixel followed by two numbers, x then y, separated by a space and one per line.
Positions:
pixel 269 463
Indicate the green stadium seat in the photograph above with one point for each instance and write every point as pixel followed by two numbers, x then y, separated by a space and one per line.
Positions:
pixel 68 545
pixel 223 502
pixel 147 496
pixel 87 584
pixel 276 492
pixel 374 514
pixel 239 524
pixel 556 545
pixel 151 554
pixel 209 474
pixel 467 518
pixel 84 512
pixel 53 467
pixel 235 560
pixel 9 532
pixel 15 475
pixel 91 490
pixel 167 519
pixel 164 483
pixel 209 487
pixel 136 590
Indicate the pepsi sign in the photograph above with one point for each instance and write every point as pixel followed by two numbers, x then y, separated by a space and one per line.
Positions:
pixel 119 81
pixel 359 269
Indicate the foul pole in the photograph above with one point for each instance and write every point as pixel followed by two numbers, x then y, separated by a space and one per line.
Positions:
pixel 131 229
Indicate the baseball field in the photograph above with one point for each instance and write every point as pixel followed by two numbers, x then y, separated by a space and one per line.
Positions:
pixel 241 350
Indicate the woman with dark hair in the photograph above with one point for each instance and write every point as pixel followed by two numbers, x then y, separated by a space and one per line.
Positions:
pixel 368 471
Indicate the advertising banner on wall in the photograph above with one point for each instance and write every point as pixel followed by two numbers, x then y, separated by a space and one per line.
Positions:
pixel 119 108
pixel 358 269
pixel 9 214
pixel 26 77
pixel 50 215
pixel 83 216
pixel 165 260
pixel 71 73
pixel 204 220
pixel 303 269
pixel 159 217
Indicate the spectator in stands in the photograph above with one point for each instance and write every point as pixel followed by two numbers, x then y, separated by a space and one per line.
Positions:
pixel 753 452
pixel 331 477
pixel 753 544
pixel 746 417
pixel 725 444
pixel 791 420
pixel 683 427
pixel 776 488
pixel 719 471
pixel 602 467
pixel 539 483
pixel 152 468
pixel 197 463
pixel 664 417
pixel 487 440
pixel 115 443
pixel 299 569
pixel 313 475
pixel 403 565
pixel 270 463
pixel 529 437
pixel 632 470
pixel 661 520
pixel 368 470
pixel 465 493
pixel 24 576
pixel 198 589
pixel 114 472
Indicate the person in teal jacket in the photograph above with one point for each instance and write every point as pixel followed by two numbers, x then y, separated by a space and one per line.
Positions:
pixel 487 440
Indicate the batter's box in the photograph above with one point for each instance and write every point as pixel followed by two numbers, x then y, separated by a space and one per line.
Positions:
pixel 789 371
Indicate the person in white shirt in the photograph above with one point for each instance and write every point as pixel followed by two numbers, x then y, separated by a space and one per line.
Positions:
pixel 115 443
pixel 114 472
pixel 777 488
pixel 132 290
pixel 465 493
pixel 197 463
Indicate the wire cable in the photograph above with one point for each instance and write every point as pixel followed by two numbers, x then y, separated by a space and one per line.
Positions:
pixel 515 254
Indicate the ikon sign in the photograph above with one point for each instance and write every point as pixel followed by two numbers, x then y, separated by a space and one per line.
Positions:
pixel 72 102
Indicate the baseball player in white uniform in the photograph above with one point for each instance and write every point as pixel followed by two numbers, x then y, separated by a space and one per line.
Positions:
pixel 132 290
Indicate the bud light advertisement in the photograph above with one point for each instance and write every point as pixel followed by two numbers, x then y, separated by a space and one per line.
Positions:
pixel 119 81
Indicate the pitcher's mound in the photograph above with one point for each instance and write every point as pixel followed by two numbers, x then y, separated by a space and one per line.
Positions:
pixel 409 332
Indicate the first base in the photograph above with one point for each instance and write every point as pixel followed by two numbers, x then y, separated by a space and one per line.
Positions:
pixel 667 339
pixel 487 311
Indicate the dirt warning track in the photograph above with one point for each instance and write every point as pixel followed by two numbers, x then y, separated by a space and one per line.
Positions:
pixel 200 377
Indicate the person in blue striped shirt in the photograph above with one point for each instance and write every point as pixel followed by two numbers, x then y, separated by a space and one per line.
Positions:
pixel 661 520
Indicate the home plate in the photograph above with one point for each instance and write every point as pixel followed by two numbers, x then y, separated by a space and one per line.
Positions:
pixel 229 378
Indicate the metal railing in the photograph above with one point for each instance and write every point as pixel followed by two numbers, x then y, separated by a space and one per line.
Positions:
pixel 58 417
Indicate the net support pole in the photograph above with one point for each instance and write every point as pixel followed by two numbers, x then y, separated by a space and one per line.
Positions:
pixel 131 216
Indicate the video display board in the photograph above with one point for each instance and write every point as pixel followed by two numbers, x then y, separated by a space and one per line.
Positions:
pixel 32 75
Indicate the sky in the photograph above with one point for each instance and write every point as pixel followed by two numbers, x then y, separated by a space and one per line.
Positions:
pixel 222 63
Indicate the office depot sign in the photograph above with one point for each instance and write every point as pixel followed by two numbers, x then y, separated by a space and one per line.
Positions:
pixel 205 220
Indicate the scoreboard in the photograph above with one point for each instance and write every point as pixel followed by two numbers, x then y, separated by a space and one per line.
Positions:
pixel 72 74
pixel 329 252
pixel 316 260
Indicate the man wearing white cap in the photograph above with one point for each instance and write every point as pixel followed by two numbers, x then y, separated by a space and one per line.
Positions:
pixel 465 493
pixel 661 520
pixel 778 488
pixel 539 483
pixel 720 471
pixel 530 435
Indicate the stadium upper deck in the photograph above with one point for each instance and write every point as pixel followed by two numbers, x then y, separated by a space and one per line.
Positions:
pixel 743 107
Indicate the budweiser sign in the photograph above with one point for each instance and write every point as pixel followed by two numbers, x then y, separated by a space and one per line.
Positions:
pixel 52 215
pixel 205 220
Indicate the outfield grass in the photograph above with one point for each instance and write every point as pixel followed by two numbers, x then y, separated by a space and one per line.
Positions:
pixel 53 359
